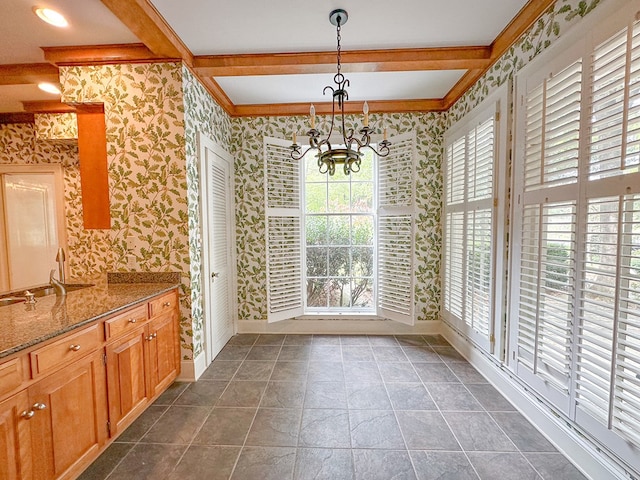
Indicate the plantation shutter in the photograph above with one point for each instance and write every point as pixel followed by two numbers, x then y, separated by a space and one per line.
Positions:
pixel 471 165
pixel 576 234
pixel 283 230
pixel 607 389
pixel 545 248
pixel 396 192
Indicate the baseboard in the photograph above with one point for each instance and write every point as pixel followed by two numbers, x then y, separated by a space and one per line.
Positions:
pixel 582 453
pixel 191 370
pixel 339 326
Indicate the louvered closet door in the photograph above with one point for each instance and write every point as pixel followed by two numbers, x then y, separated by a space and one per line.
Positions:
pixel 218 242
pixel 545 222
pixel 396 192
pixel 284 231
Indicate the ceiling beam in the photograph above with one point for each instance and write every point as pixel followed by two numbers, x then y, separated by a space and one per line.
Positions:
pixel 325 108
pixel 101 54
pixel 144 21
pixel 219 95
pixel 511 33
pixel 47 106
pixel 28 73
pixel 407 59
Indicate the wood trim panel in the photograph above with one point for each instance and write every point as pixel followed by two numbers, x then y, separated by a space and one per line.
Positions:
pixel 101 54
pixel 375 106
pixel 28 73
pixel 408 59
pixel 142 18
pixel 47 106
pixel 20 117
pixel 94 177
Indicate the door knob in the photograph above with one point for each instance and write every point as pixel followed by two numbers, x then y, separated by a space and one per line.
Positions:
pixel 214 275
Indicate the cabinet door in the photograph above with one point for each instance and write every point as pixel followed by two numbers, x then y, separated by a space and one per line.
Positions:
pixel 126 379
pixel 70 422
pixel 163 351
pixel 15 437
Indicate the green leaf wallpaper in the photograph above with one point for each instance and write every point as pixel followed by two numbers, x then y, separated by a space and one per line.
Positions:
pixel 153 113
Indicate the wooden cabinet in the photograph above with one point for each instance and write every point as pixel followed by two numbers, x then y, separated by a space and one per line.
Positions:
pixel 127 378
pixel 63 402
pixel 142 363
pixel 70 421
pixel 15 438
pixel 163 351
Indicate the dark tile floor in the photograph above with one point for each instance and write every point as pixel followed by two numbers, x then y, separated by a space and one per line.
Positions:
pixel 333 407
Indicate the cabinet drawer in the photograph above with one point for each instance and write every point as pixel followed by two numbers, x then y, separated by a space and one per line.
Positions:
pixel 66 350
pixel 164 303
pixel 12 374
pixel 126 321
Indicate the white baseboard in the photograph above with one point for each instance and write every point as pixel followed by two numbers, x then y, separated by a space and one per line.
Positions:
pixel 339 326
pixel 583 454
pixel 191 370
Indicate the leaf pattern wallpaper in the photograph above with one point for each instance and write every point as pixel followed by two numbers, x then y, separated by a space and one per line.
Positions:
pixel 154 113
pixel 58 126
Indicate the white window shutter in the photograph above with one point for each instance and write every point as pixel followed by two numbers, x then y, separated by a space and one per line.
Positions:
pixel 396 200
pixel 284 231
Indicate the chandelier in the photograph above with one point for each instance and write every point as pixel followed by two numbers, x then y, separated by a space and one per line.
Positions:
pixel 351 155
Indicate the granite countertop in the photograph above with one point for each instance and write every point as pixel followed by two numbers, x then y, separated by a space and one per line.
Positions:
pixel 22 326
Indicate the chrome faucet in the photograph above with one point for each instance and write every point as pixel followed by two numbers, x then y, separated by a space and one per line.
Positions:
pixel 60 258
pixel 57 285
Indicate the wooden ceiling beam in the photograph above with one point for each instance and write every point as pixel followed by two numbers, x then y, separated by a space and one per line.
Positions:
pixel 28 73
pixel 408 59
pixel 144 21
pixel 219 95
pixel 47 106
pixel 101 54
pixel 375 106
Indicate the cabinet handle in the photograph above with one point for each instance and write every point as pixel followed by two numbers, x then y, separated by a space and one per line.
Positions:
pixel 152 336
pixel 166 304
pixel 27 414
pixel 132 320
pixel 39 406
pixel 74 346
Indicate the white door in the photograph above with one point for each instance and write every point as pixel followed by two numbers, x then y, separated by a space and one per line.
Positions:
pixel 218 255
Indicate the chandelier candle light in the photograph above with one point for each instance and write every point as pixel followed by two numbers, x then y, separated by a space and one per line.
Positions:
pixel 350 156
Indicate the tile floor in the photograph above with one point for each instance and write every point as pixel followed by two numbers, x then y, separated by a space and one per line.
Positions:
pixel 276 407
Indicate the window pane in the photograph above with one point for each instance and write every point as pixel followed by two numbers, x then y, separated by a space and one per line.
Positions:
pixel 362 230
pixel 317 292
pixel 366 166
pixel 339 261
pixel 362 261
pixel 361 197
pixel 339 292
pixel 362 292
pixel 339 197
pixel 316 198
pixel 317 261
pixel 338 230
pixel 312 174
pixel 316 232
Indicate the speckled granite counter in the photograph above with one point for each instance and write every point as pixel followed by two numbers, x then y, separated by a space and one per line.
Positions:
pixel 22 326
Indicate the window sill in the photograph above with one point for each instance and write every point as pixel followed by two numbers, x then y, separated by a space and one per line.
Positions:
pixel 338 316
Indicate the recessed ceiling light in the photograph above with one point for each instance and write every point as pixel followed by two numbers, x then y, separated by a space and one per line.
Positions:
pixel 51 16
pixel 49 88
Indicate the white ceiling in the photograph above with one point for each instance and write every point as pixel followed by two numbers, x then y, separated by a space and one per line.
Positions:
pixel 210 27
